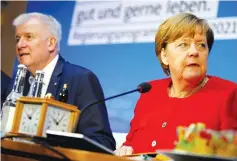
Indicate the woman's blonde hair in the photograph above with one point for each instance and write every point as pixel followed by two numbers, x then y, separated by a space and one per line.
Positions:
pixel 176 27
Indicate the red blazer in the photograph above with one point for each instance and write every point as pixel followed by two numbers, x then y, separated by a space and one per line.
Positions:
pixel 156 115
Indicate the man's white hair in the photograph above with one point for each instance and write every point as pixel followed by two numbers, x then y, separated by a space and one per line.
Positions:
pixel 53 25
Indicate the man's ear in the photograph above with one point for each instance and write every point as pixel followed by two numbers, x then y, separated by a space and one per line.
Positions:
pixel 164 57
pixel 52 44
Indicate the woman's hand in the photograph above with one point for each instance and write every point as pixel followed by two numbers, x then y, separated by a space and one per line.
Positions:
pixel 124 150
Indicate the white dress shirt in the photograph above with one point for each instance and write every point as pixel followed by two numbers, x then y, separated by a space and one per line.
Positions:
pixel 48 70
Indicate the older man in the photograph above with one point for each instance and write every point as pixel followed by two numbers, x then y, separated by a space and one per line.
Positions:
pixel 37 47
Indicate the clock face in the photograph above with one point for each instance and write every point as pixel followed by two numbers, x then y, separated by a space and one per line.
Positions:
pixel 30 119
pixel 57 119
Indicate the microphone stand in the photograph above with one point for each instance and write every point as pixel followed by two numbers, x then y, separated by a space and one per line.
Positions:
pixel 103 100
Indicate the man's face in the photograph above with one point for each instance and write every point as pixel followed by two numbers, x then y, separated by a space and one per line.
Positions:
pixel 34 44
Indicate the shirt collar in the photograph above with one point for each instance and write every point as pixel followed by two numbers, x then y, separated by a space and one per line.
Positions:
pixel 50 67
pixel 48 70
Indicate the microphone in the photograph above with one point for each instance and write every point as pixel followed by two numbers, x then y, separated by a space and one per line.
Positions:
pixel 142 88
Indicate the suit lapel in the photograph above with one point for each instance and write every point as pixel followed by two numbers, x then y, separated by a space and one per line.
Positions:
pixel 55 78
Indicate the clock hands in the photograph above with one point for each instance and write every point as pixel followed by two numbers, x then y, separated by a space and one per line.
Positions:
pixel 54 120
pixel 61 118
pixel 28 115
pixel 57 119
pixel 31 114
pixel 57 122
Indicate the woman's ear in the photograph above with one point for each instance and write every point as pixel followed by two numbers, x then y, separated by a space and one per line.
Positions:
pixel 52 43
pixel 164 57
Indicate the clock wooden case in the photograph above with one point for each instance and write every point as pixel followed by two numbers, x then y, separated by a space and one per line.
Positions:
pixel 34 116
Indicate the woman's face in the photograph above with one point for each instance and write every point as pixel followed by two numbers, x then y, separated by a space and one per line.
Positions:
pixel 187 56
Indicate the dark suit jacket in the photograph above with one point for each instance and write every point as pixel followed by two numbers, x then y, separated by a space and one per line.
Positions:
pixel 83 88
